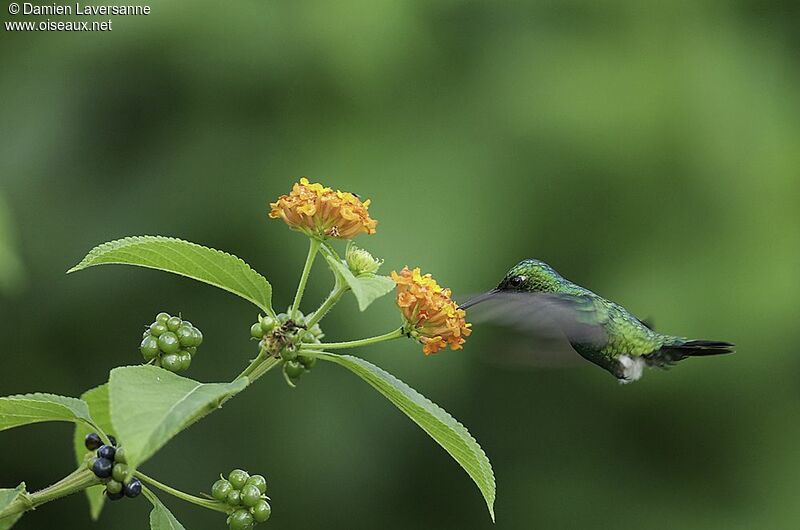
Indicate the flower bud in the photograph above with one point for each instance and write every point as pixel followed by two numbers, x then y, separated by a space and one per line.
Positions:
pixel 359 261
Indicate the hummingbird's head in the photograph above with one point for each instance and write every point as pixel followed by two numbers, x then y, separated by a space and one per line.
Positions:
pixel 530 275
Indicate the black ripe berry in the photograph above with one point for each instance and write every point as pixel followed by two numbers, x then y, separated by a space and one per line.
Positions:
pixel 102 467
pixel 106 452
pixel 133 488
pixel 114 496
pixel 112 440
pixel 92 441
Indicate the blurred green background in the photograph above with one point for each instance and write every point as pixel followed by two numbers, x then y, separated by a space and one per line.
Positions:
pixel 649 151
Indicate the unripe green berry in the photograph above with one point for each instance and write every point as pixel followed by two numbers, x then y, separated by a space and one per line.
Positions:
pixel 241 520
pixel 317 331
pixel 221 489
pixel 307 360
pixel 119 456
pixel 168 342
pixel 250 495
pixel 157 328
pixel 114 486
pixel 234 498
pixel 255 331
pixel 174 323
pixel 149 347
pixel 288 353
pixel 293 369
pixel 267 324
pixel 163 317
pixel 261 511
pixel 185 335
pixel 120 472
pixel 238 478
pixel 307 337
pixel 186 360
pixel 172 362
pixel 258 481
pixel 198 337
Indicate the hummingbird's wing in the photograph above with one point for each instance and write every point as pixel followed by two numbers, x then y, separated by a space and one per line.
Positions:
pixel 528 351
pixel 577 318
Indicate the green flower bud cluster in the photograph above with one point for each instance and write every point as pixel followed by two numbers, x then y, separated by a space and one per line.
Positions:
pixel 245 494
pixel 359 261
pixel 110 465
pixel 170 342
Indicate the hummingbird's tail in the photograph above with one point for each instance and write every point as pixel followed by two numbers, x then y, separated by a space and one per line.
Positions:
pixel 678 349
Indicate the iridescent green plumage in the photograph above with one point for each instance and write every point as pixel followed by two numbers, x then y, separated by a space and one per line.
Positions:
pixel 601 331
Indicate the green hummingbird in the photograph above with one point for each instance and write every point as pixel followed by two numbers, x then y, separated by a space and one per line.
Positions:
pixel 533 296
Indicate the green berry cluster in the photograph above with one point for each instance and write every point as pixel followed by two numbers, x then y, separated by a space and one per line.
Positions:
pixel 283 337
pixel 245 494
pixel 170 342
pixel 111 467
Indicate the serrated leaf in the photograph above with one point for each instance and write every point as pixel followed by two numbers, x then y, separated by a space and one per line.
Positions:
pixel 19 410
pixel 160 517
pixel 97 400
pixel 433 419
pixel 366 287
pixel 204 264
pixel 7 496
pixel 150 405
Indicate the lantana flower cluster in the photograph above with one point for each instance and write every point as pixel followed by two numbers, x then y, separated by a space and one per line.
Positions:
pixel 429 311
pixel 321 212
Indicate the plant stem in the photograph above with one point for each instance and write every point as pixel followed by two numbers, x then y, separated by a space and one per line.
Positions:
pixel 78 480
pixel 395 334
pixel 262 355
pixel 338 290
pixel 265 366
pixel 205 503
pixel 313 247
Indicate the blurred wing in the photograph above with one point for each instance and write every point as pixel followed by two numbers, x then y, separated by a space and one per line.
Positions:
pixel 542 324
pixel 527 351
pixel 543 315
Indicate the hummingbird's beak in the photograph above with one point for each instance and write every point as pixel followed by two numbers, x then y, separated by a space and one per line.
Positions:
pixel 478 299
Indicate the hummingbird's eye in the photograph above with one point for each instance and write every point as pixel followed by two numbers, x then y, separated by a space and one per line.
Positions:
pixel 516 281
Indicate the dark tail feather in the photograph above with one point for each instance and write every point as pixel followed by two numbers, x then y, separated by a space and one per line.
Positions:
pixel 672 353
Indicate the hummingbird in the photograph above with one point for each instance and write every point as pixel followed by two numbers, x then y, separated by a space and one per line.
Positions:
pixel 534 297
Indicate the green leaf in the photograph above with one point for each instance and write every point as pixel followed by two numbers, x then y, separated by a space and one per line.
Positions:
pixel 161 518
pixel 7 496
pixel 97 400
pixel 150 405
pixel 434 420
pixel 204 264
pixel 366 287
pixel 35 408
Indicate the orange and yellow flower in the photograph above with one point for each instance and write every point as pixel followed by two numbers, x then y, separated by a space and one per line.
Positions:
pixel 432 316
pixel 322 212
